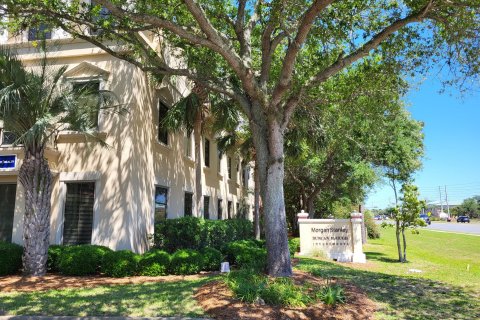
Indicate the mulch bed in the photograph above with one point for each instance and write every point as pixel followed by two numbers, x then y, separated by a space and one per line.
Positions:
pixel 56 281
pixel 218 302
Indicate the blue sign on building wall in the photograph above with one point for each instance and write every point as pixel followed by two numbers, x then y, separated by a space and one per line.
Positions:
pixel 8 162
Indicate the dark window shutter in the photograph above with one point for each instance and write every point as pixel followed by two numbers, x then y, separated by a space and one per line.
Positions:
pixel 78 216
pixel 7 209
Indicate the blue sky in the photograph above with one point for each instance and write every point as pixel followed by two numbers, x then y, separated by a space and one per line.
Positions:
pixel 452 145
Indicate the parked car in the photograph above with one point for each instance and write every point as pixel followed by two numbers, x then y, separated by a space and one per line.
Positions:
pixel 463 219
pixel 425 218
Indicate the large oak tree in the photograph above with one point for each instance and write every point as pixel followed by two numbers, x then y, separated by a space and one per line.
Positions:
pixel 270 56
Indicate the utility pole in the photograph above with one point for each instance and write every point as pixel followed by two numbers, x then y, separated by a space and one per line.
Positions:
pixel 446 200
pixel 441 202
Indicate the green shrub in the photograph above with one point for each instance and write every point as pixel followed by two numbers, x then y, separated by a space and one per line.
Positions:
pixel 193 233
pixel 118 264
pixel 249 286
pixel 10 258
pixel 283 292
pixel 331 295
pixel 54 254
pixel 212 258
pixel 154 263
pixel 186 261
pixel 174 234
pixel 294 246
pixel 247 254
pixel 81 260
pixel 373 231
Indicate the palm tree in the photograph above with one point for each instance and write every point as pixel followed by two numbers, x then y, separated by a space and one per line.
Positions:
pixel 190 114
pixel 35 106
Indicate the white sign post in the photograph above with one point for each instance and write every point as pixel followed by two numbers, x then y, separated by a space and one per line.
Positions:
pixel 338 239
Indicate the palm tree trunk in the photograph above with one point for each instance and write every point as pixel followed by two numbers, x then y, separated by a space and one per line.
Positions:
pixel 197 132
pixel 36 179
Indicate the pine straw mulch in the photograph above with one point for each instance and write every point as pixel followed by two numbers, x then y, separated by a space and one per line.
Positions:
pixel 56 281
pixel 218 302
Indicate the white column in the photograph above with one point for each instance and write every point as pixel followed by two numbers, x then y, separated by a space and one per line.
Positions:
pixel 358 255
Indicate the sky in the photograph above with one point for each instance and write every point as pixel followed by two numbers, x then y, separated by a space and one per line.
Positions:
pixel 452 146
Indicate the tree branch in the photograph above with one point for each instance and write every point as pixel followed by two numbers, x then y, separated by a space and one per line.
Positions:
pixel 304 28
pixel 343 62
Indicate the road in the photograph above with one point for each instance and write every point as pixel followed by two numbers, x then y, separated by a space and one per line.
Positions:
pixel 453 226
pixel 470 228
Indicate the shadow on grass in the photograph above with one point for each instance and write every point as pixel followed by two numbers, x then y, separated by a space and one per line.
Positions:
pixel 147 299
pixel 402 297
pixel 377 256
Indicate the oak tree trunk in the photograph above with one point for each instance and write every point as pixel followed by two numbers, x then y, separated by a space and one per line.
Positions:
pixel 256 204
pixel 36 179
pixel 268 140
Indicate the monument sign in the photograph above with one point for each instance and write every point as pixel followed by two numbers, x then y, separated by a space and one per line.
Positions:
pixel 338 239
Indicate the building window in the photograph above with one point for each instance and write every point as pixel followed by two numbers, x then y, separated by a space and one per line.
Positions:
pixel 89 96
pixel 42 32
pixel 219 209
pixel 207 152
pixel 245 174
pixel 7 137
pixel 219 161
pixel 188 145
pixel 229 167
pixel 161 198
pixel 7 209
pixel 206 207
pixel 229 209
pixel 188 205
pixel 237 213
pixel 162 131
pixel 78 214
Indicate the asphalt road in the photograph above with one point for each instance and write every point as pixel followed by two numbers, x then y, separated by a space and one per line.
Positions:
pixel 453 226
pixel 470 228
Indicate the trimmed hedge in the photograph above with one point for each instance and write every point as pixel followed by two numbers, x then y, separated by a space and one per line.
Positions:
pixel 118 264
pixel 247 254
pixel 197 234
pixel 54 254
pixel 10 258
pixel 81 260
pixel 186 261
pixel 154 263
pixel 212 258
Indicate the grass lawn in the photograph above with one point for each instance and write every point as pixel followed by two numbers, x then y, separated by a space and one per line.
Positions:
pixel 444 289
pixel 447 257
pixel 136 300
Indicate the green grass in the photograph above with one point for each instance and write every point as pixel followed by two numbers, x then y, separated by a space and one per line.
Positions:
pixel 446 257
pixel 444 290
pixel 139 300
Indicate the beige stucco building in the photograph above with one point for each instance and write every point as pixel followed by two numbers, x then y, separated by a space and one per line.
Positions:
pixel 112 195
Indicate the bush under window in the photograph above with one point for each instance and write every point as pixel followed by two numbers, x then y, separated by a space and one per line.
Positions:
pixel 10 258
pixel 81 260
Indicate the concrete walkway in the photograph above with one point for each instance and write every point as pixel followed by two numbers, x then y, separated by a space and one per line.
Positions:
pixel 93 318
